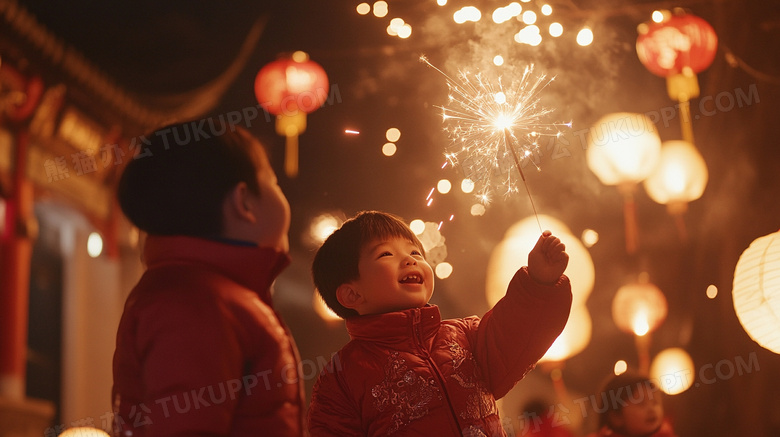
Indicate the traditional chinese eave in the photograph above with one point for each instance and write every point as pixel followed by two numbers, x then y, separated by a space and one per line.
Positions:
pixel 39 51
pixel 81 125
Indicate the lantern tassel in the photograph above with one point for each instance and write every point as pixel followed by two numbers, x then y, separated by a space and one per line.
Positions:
pixel 291 156
pixel 629 215
pixel 291 126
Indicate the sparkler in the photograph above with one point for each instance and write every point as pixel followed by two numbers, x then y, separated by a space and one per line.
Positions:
pixel 486 123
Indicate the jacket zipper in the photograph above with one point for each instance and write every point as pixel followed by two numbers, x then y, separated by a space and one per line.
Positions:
pixel 418 339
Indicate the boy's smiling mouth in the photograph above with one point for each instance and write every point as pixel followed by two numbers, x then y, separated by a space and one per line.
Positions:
pixel 413 278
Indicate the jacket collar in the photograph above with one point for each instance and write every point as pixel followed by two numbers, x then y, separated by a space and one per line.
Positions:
pixel 395 327
pixel 253 267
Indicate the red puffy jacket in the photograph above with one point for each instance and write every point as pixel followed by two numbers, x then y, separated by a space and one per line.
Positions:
pixel 200 350
pixel 409 373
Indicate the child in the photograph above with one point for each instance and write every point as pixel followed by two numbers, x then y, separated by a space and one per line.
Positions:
pixel 630 405
pixel 405 371
pixel 200 349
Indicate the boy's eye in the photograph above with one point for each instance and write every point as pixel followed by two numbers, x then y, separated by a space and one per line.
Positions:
pixel 385 254
pixel 416 252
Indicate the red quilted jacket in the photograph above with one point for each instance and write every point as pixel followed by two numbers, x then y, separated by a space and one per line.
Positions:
pixel 409 373
pixel 200 350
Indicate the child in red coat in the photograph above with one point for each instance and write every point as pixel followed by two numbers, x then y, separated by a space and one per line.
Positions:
pixel 200 349
pixel 408 372
pixel 630 405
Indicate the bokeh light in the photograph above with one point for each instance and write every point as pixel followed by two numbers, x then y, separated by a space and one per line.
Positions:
pixel 620 367
pixel 529 17
pixel 380 9
pixel 443 270
pixel 546 10
pixel 672 369
pixel 529 35
pixel 405 31
pixel 498 60
pixel 94 245
pixel 417 226
pixel 555 29
pixel 712 291
pixel 363 8
pixel 660 16
pixel 590 237
pixel 389 149
pixel 467 13
pixel 320 228
pixel 467 185
pixel 504 14
pixel 585 37
pixel 393 134
pixel 444 186
pixel 477 209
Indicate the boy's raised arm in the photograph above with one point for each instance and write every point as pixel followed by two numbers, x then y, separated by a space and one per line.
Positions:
pixel 519 329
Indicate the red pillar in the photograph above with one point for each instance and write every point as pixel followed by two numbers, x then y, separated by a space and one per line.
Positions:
pixel 15 255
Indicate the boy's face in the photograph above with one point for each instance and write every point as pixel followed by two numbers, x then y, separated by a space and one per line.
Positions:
pixel 394 276
pixel 643 417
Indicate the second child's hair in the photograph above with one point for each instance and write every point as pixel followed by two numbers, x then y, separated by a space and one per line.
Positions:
pixel 621 390
pixel 336 261
pixel 178 182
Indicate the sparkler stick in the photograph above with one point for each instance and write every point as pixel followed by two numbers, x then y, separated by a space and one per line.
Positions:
pixel 482 118
pixel 522 176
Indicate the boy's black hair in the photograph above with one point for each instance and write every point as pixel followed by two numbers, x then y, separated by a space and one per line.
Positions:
pixel 336 261
pixel 178 180
pixel 621 390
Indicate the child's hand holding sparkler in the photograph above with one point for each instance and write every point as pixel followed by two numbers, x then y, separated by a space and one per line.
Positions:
pixel 548 259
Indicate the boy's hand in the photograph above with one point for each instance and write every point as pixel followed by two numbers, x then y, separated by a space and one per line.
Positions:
pixel 548 259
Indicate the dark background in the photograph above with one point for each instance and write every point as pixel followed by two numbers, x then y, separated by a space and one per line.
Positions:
pixel 162 48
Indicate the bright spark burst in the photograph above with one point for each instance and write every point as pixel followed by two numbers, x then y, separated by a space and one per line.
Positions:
pixel 480 119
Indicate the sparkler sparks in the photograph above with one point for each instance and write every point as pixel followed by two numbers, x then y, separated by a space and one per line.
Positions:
pixel 494 128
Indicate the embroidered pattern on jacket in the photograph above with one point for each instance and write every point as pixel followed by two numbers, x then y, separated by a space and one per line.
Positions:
pixel 404 392
pixel 473 431
pixel 479 401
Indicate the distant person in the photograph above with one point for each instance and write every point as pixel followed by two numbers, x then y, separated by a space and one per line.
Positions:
pixel 542 420
pixel 200 349
pixel 405 371
pixel 630 405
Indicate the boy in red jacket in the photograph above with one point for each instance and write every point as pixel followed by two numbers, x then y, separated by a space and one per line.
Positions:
pixel 405 371
pixel 200 349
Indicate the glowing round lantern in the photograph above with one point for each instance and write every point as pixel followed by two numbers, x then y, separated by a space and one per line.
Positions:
pixel 756 291
pixel 504 262
pixel 673 370
pixel 639 308
pixel 520 238
pixel 677 47
pixel 623 150
pixel 290 88
pixel 679 178
pixel 680 41
pixel 574 338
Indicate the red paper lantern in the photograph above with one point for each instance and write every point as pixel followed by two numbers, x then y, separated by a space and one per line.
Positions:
pixel 291 87
pixel 681 41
